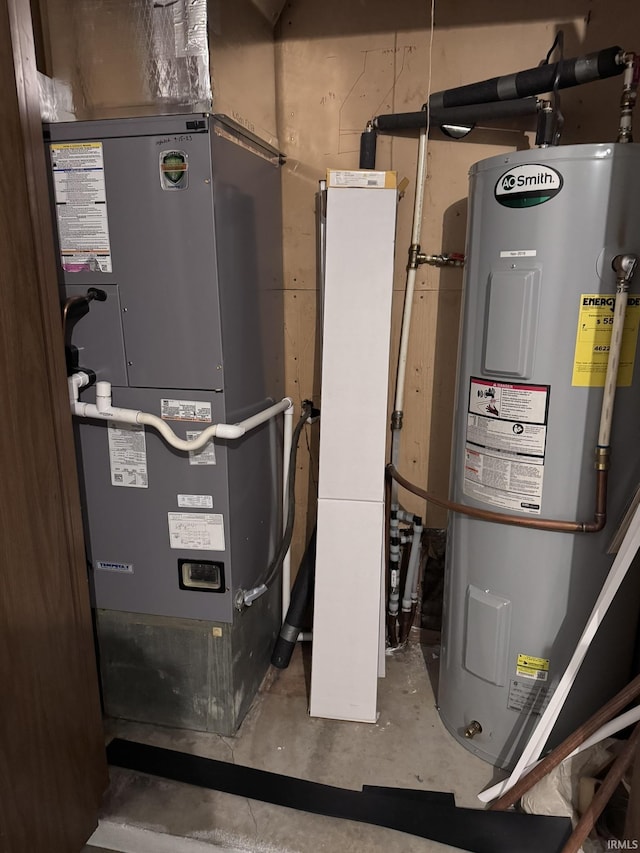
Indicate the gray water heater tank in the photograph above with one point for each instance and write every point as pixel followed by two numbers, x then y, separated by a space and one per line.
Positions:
pixel 544 227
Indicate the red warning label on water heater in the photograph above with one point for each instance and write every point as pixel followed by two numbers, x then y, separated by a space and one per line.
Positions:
pixel 505 444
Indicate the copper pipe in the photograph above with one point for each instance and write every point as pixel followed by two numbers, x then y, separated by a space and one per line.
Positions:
pixel 602 797
pixel 599 515
pixel 607 712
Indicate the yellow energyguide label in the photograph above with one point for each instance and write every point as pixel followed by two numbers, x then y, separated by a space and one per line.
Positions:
pixel 593 339
pixel 531 667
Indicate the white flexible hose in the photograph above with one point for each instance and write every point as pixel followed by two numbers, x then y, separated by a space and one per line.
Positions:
pixel 611 380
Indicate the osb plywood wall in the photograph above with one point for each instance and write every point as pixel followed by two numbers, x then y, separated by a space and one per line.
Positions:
pixel 340 63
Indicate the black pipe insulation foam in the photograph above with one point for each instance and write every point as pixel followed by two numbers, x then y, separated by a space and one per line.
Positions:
pixel 534 81
pixel 368 140
pixel 469 115
pixel 300 597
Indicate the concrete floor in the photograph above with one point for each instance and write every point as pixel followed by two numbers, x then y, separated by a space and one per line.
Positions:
pixel 408 747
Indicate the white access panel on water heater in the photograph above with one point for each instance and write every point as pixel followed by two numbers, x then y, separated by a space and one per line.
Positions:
pixel 360 241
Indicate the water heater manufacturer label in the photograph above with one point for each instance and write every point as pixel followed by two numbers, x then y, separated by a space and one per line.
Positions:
pixel 196 531
pixel 528 696
pixel 527 185
pixel 128 455
pixel 505 444
pixel 593 339
pixel 81 206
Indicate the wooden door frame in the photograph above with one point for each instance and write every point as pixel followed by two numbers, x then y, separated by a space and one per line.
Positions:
pixel 73 704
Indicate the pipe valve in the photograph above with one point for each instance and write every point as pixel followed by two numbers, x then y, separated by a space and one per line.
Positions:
pixel 455 259
pixel 624 267
pixel 474 728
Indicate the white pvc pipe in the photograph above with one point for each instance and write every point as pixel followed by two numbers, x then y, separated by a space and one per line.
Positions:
pixel 607 730
pixel 624 558
pixel 286 563
pixel 103 410
pixel 613 362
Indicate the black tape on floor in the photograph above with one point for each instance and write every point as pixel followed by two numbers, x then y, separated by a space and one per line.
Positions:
pixel 427 814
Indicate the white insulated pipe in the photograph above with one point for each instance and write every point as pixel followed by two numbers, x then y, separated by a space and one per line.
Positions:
pixel 102 409
pixel 418 205
pixel 416 229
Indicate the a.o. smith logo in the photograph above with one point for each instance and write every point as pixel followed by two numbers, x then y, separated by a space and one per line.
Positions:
pixel 528 185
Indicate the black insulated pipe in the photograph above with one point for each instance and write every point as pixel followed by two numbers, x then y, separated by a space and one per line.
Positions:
pixel 469 115
pixel 534 81
pixel 368 140
pixel 300 597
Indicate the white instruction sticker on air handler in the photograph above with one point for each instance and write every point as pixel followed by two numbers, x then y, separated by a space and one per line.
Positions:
pixel 128 455
pixel 196 531
pixel 185 410
pixel 505 444
pixel 195 501
pixel 81 206
pixel 206 455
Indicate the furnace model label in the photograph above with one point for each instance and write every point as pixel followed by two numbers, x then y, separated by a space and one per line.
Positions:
pixel 505 445
pixel 128 455
pixel 81 206
pixel 593 339
pixel 185 410
pixel 196 501
pixel 196 531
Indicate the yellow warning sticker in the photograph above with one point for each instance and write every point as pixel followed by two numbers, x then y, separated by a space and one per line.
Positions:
pixel 530 667
pixel 593 338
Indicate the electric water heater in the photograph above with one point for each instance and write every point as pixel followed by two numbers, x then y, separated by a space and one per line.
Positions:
pixel 544 228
